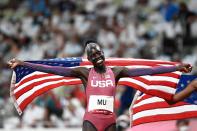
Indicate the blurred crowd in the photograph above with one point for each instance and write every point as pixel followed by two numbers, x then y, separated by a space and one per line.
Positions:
pixel 39 29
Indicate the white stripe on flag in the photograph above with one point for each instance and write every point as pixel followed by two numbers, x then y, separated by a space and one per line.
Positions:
pixel 166 89
pixel 36 88
pixel 32 74
pixel 148 101
pixel 35 80
pixel 161 78
pixel 139 97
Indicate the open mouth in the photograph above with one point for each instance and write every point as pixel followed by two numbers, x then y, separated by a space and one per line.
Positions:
pixel 99 61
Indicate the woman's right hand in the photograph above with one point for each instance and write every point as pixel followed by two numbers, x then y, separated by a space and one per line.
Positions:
pixel 14 62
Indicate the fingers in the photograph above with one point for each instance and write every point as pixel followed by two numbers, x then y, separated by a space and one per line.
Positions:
pixel 186 68
pixel 13 60
pixel 12 63
pixel 189 68
pixel 9 62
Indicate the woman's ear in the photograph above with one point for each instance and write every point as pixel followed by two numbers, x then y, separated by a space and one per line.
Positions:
pixel 103 53
pixel 89 59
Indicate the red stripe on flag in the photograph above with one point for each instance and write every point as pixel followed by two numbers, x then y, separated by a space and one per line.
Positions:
pixel 157 93
pixel 41 91
pixel 164 117
pixel 32 85
pixel 158 82
pixel 36 76
pixel 156 105
pixel 143 98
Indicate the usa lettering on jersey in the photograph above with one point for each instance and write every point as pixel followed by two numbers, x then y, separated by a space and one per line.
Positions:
pixel 104 83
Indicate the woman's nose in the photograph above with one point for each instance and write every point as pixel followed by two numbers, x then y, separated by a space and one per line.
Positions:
pixel 97 55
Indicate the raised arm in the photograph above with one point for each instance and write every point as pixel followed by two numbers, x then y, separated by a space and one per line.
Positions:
pixel 63 71
pixel 126 72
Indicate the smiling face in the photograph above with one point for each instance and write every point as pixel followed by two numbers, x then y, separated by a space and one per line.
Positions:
pixel 95 54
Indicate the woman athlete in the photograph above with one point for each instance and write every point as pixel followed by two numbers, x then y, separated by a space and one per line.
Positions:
pixel 100 84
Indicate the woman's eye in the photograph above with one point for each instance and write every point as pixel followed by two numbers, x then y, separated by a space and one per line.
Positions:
pixel 93 55
pixel 99 53
pixel 96 54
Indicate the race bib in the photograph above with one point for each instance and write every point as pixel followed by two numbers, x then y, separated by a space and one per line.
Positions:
pixel 97 102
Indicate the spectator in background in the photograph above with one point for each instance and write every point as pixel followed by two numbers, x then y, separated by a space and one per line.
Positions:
pixel 73 110
pixel 39 7
pixel 186 18
pixel 53 107
pixel 123 121
pixel 182 125
pixel 1 112
pixel 169 9
pixel 126 99
pixel 33 116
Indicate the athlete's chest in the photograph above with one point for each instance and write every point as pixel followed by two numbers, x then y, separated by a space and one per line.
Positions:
pixel 104 80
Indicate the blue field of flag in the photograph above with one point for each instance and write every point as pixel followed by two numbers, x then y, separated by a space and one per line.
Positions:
pixel 184 81
pixel 22 71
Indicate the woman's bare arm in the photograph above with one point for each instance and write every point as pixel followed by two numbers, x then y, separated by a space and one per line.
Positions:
pixel 126 72
pixel 63 71
pixel 184 93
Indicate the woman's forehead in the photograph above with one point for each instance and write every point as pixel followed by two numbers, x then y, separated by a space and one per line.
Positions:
pixel 93 47
pixel 94 50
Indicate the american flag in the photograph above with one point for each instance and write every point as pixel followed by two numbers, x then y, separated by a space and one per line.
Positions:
pixel 27 84
pixel 152 109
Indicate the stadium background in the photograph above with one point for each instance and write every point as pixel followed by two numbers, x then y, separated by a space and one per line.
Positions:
pixel 39 29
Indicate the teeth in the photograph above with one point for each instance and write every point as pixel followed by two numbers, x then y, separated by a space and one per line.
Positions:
pixel 99 61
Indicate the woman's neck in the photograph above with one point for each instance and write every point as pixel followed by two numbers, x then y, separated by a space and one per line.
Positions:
pixel 100 69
